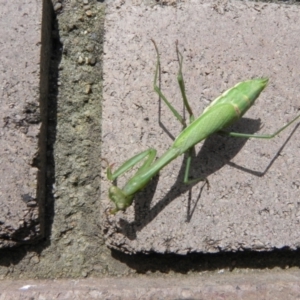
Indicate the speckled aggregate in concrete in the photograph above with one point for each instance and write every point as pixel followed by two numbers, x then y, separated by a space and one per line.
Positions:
pixel 20 121
pixel 253 200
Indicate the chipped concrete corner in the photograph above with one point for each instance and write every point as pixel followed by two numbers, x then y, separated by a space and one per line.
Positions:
pixel 253 202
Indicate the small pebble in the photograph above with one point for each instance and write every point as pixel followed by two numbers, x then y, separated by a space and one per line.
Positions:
pixel 31 204
pixel 88 89
pixel 92 60
pixel 57 6
pixel 80 60
pixel 89 13
pixel 90 47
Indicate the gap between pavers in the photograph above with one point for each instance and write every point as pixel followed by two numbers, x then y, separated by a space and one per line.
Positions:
pixel 254 190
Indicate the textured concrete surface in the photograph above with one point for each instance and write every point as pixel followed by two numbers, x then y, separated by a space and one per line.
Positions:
pixel 23 139
pixel 74 245
pixel 222 286
pixel 253 200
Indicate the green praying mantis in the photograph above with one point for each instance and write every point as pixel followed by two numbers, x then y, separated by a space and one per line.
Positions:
pixel 216 117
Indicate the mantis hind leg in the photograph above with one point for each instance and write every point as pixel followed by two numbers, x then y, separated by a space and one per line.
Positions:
pixel 260 136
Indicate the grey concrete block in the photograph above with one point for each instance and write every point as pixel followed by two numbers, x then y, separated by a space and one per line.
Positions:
pixel 23 79
pixel 253 200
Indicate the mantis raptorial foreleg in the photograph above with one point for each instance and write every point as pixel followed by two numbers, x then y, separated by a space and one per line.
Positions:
pixel 129 164
pixel 220 113
pixel 151 153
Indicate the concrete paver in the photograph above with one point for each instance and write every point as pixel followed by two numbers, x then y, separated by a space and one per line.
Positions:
pixel 254 190
pixel 23 140
pixel 222 286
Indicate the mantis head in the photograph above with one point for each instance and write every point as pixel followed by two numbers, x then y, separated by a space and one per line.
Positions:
pixel 120 200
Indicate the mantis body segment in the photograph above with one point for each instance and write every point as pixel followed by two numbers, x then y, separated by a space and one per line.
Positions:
pixel 216 117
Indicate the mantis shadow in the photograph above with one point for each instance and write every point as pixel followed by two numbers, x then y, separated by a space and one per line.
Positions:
pixel 261 174
pixel 216 152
